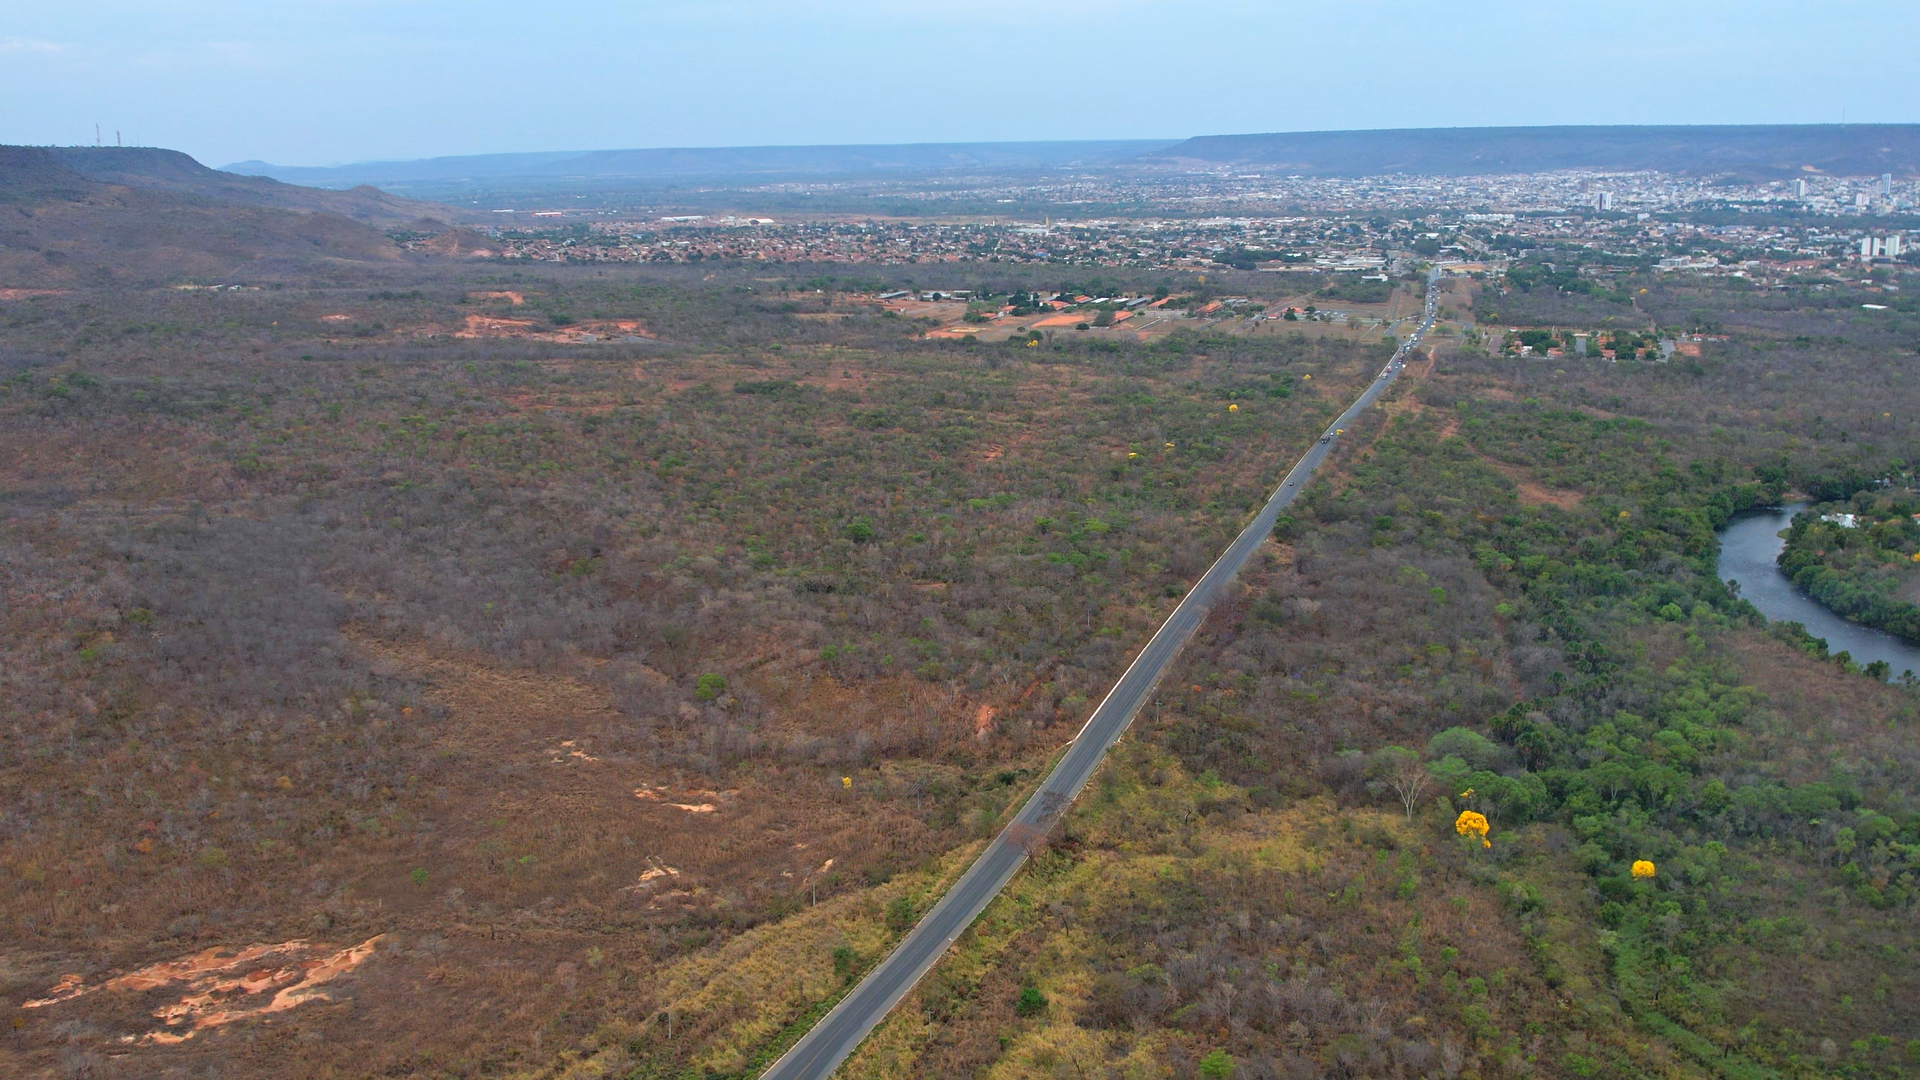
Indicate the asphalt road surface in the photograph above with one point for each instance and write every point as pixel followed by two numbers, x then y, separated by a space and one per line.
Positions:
pixel 822 1049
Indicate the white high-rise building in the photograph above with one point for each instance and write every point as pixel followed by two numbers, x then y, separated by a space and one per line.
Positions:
pixel 1603 200
pixel 1800 189
pixel 1880 247
pixel 1886 184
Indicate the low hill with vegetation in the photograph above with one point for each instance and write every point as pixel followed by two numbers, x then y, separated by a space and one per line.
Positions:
pixel 95 216
pixel 155 169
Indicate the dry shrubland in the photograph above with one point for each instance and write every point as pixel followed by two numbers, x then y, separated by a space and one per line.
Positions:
pixel 546 661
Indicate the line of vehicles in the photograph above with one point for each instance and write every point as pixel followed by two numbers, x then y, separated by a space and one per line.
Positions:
pixel 1400 355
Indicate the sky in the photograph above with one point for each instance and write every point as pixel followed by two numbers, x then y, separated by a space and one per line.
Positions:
pixel 319 82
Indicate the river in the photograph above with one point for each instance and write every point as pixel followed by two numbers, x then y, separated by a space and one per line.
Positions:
pixel 1749 547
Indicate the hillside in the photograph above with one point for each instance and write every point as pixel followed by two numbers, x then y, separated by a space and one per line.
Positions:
pixel 1756 151
pixel 156 169
pixel 94 215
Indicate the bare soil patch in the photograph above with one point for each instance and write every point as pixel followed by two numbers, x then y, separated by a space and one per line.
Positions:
pixel 222 985
pixel 1533 493
pixel 492 326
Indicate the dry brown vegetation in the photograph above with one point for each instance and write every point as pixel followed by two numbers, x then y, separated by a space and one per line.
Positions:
pixel 337 637
pixel 626 700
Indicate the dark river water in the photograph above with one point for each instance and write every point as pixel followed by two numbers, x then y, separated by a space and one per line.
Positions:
pixel 1748 547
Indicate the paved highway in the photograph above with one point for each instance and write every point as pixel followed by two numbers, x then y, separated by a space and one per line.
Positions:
pixel 822 1049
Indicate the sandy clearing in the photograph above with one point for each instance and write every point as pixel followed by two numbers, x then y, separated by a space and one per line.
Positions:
pixel 1533 494
pixel 496 326
pixel 983 724
pixel 569 751
pixel 492 326
pixel 649 793
pixel 926 309
pixel 225 986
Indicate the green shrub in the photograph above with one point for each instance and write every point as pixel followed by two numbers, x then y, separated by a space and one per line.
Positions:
pixel 1030 1002
pixel 901 911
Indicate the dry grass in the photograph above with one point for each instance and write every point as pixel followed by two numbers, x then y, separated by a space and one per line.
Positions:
pixel 1136 835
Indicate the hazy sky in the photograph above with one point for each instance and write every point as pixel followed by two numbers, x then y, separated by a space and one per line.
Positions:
pixel 311 82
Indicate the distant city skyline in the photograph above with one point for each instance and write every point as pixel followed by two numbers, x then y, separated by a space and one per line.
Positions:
pixel 315 82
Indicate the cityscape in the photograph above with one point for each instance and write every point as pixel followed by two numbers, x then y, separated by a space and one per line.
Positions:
pixel 1630 222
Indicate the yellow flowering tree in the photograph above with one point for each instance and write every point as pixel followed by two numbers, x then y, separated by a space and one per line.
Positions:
pixel 1642 868
pixel 1473 822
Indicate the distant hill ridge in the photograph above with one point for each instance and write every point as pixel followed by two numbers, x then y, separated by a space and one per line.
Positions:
pixel 70 170
pixel 1757 151
pixel 1753 151
pixel 705 162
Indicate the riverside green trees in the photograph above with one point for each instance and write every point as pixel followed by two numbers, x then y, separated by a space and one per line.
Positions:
pixel 1858 559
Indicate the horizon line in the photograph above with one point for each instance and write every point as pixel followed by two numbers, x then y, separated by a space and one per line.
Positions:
pixel 1036 142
